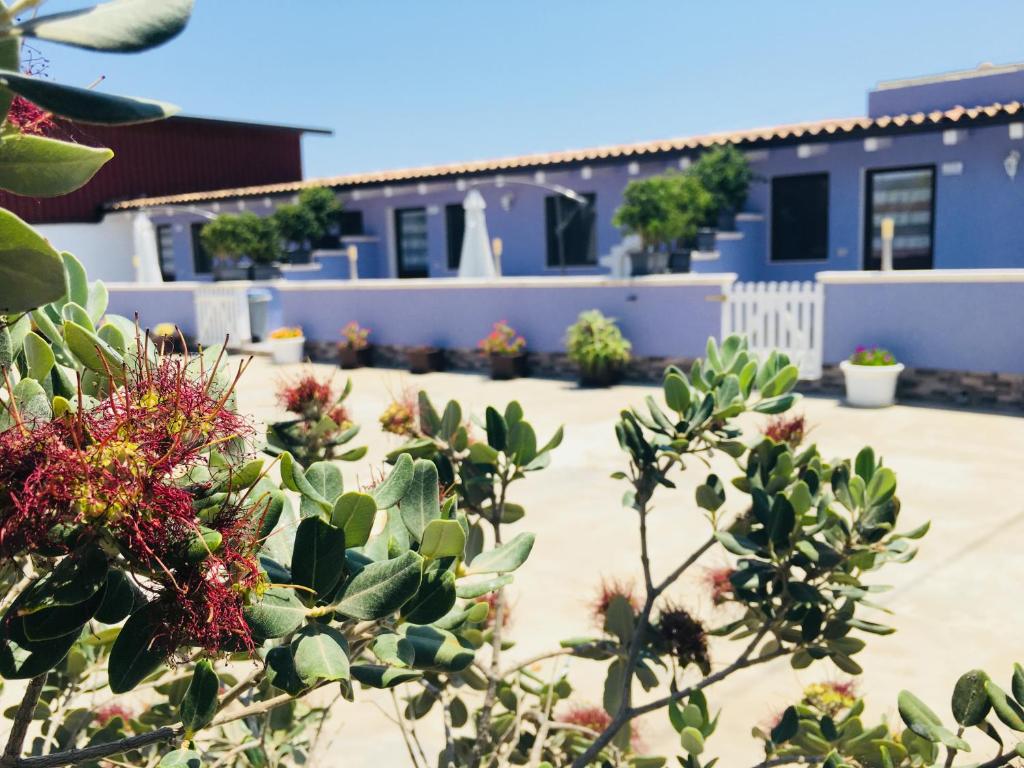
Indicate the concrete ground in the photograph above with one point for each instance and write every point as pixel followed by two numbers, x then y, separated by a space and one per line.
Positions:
pixel 953 605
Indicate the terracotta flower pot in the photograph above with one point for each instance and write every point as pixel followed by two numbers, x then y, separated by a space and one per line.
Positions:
pixel 508 366
pixel 425 359
pixel 355 358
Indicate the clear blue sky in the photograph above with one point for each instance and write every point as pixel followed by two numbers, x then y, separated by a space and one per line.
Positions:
pixel 409 82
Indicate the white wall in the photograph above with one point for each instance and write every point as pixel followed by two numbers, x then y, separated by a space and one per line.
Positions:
pixel 106 248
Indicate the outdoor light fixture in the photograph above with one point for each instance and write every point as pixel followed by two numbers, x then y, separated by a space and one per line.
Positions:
pixel 1011 163
pixel 507 201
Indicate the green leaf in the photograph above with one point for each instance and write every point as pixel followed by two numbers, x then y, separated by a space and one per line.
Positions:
pixel 421 503
pixel 443 538
pixel 320 653
pixel 395 485
pixel 34 166
pixel 325 478
pixel 970 700
pixel 94 353
pixel 83 105
pixel 31 271
pixel 522 443
pixel 379 676
pixel 787 727
pixel 181 758
pixel 393 649
pixel 497 431
pixel 468 590
pixel 199 704
pixel 434 598
pixel 31 402
pixel 773 405
pixel 619 619
pixel 437 649
pixel 21 659
pixel 1006 709
pixel 277 613
pixel 381 588
pixel 692 740
pixel 677 393
pixel 121 26
pixel 504 558
pixel 120 597
pixel 39 356
pixel 925 723
pixel 318 557
pixel 354 513
pixel 1017 683
pixel 132 657
pixel 781 382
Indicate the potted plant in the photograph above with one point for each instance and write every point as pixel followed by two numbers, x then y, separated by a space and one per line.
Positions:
pixel 725 174
pixel 355 350
pixel 595 343
pixel 506 351
pixel 231 238
pixel 662 210
pixel 425 359
pixel 871 374
pixel 287 344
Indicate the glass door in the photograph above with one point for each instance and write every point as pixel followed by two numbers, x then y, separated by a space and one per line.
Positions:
pixel 907 196
pixel 411 242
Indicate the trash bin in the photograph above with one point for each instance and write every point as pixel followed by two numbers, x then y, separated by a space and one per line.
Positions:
pixel 259 312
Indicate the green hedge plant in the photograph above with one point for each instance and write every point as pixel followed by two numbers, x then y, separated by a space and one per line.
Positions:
pixel 595 343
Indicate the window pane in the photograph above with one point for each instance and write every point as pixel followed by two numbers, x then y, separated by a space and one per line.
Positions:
pixel 800 217
pixel 411 241
pixel 201 262
pixel 905 196
pixel 455 230
pixel 578 225
pixel 165 251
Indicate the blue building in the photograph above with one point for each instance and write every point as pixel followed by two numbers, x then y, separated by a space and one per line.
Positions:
pixel 939 155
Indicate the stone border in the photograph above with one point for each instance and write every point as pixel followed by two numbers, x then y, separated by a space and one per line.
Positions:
pixel 983 391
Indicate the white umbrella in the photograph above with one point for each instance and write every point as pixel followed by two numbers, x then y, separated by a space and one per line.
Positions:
pixel 476 259
pixel 147 260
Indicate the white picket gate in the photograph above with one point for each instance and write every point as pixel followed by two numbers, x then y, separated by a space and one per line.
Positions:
pixel 789 317
pixel 222 311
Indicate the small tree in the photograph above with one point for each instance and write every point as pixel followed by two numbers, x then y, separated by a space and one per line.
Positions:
pixel 663 209
pixel 244 234
pixel 726 175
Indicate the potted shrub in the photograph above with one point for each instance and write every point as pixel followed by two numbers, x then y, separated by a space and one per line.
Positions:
pixel 871 374
pixel 425 359
pixel 230 238
pixel 355 350
pixel 662 210
pixel 595 343
pixel 725 174
pixel 506 351
pixel 287 344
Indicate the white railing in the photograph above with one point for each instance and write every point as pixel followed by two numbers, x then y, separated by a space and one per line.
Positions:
pixel 789 317
pixel 222 311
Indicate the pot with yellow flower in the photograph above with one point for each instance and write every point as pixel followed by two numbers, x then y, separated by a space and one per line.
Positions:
pixel 168 339
pixel 506 350
pixel 355 349
pixel 286 345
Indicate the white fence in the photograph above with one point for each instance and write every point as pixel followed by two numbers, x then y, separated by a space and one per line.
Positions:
pixel 222 311
pixel 789 317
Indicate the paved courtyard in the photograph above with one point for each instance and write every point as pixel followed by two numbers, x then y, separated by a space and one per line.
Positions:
pixel 954 606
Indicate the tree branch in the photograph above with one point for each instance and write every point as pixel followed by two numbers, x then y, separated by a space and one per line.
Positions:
pixel 23 719
pixel 97 752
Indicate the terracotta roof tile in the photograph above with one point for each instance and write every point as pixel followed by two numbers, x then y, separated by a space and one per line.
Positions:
pixel 771 133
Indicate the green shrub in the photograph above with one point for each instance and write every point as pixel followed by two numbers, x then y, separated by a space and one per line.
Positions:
pixel 726 175
pixel 311 218
pixel 595 343
pixel 243 234
pixel 663 209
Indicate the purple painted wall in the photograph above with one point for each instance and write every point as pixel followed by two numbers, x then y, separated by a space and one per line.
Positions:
pixel 170 304
pixel 973 89
pixel 952 326
pixel 661 318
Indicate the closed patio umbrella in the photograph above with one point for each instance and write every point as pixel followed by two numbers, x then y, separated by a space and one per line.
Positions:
pixel 147 260
pixel 476 259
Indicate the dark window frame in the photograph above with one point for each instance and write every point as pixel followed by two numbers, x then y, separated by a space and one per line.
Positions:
pixel 868 261
pixel 199 254
pixel 399 267
pixel 774 234
pixel 455 233
pixel 168 270
pixel 551 213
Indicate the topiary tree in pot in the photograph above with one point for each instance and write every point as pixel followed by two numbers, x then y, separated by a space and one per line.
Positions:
pixel 231 237
pixel 725 174
pixel 663 210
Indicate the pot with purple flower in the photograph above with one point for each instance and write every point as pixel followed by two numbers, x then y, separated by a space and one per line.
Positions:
pixel 871 374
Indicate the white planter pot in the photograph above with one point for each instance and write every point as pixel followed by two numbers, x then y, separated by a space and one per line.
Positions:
pixel 870 386
pixel 287 351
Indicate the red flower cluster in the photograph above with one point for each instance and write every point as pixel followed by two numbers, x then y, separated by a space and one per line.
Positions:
pixel 502 340
pixel 610 589
pixel 28 118
pixel 720 583
pixel 787 429
pixel 307 396
pixel 116 474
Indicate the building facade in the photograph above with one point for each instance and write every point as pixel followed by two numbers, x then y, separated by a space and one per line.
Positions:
pixel 938 155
